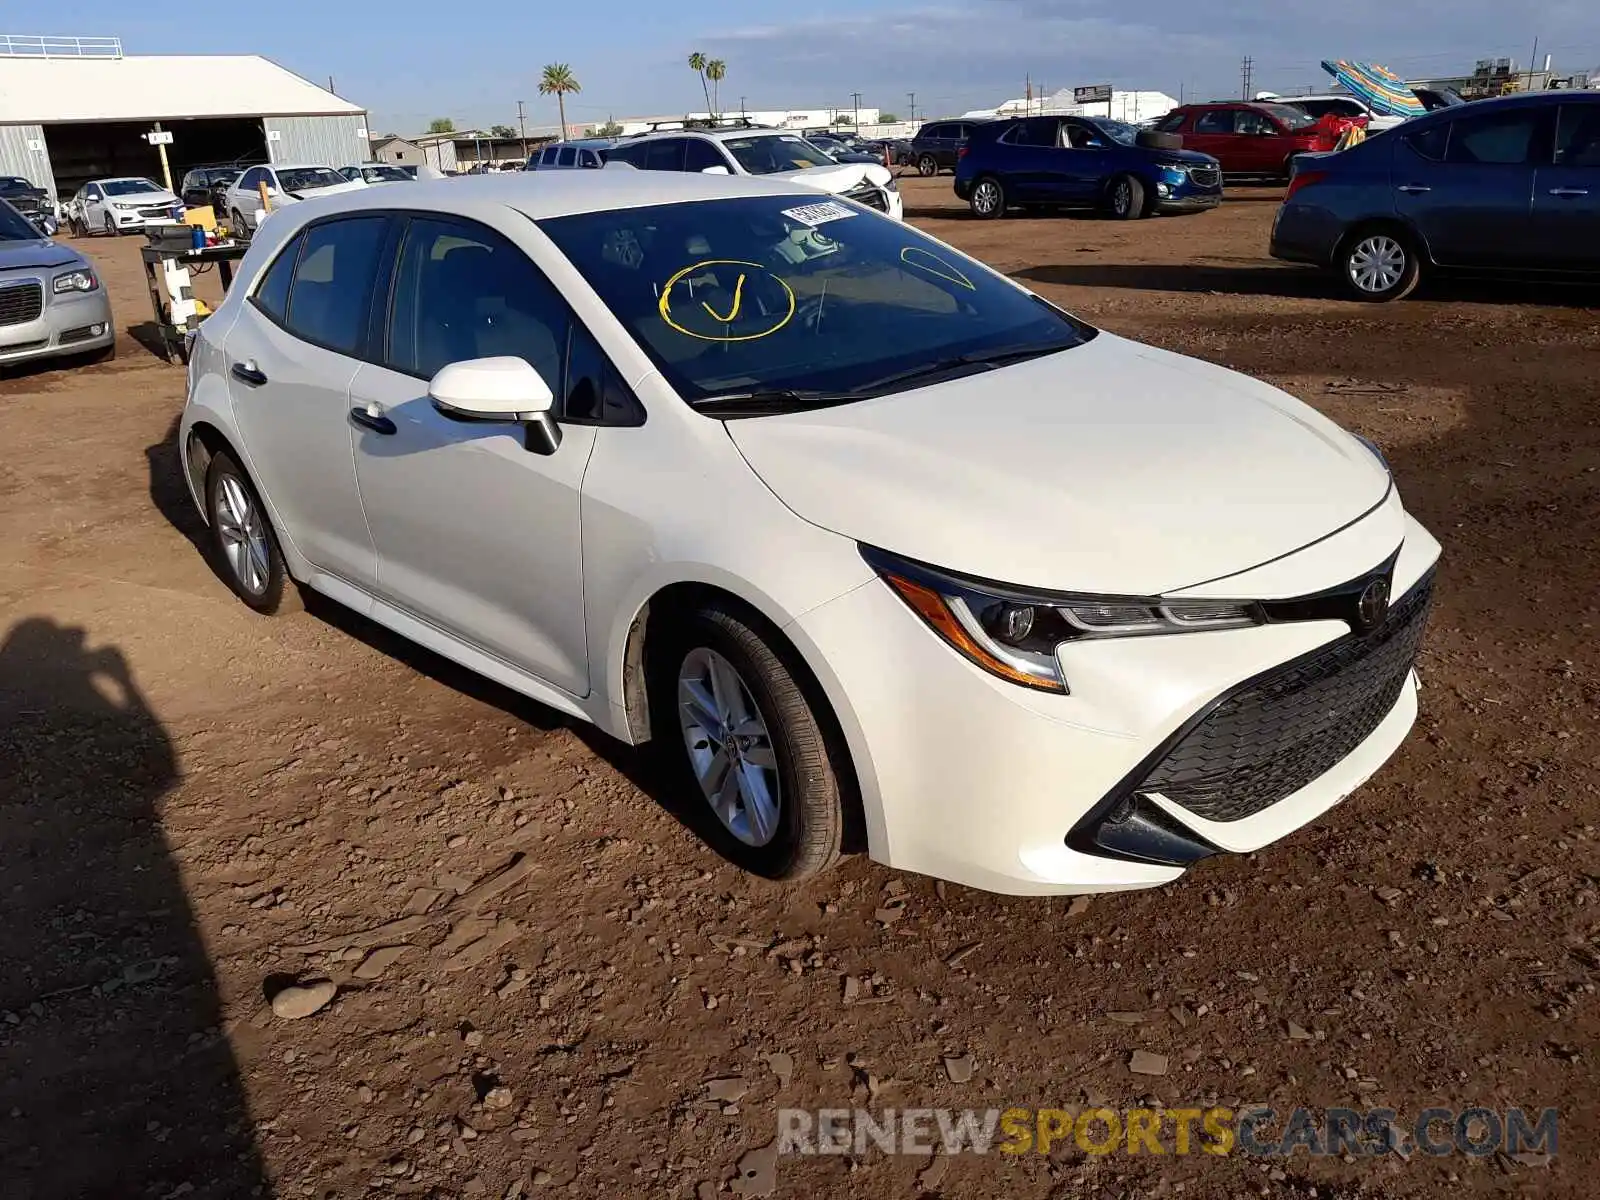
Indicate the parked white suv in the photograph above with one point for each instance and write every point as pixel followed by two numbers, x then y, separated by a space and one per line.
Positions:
pixel 771 153
pixel 737 470
pixel 287 183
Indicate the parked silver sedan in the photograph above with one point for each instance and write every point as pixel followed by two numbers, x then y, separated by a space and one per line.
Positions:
pixel 51 300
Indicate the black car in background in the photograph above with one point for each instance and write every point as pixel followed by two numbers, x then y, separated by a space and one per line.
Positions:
pixel 33 203
pixel 1505 186
pixel 938 144
pixel 208 185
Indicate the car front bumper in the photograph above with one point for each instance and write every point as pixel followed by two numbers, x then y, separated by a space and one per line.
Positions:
pixel 969 778
pixel 1189 203
pixel 65 324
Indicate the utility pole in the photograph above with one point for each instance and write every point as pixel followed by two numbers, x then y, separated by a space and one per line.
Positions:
pixel 855 98
pixel 912 98
pixel 741 106
pixel 330 85
pixel 522 128
pixel 1533 61
pixel 1246 71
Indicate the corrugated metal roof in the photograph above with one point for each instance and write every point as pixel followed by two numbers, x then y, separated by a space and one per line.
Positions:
pixel 157 87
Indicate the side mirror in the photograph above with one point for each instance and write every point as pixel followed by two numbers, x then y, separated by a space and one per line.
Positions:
pixel 715 171
pixel 498 390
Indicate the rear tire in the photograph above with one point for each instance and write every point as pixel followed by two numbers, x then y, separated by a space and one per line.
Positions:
pixel 244 546
pixel 1378 265
pixel 1126 198
pixel 988 200
pixel 726 702
pixel 927 166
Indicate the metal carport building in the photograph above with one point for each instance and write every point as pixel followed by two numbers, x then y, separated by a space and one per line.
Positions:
pixel 75 109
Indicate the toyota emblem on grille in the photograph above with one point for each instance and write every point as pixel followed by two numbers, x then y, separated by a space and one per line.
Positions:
pixel 1373 604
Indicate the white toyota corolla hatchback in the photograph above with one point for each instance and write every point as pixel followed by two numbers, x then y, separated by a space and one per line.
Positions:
pixel 875 547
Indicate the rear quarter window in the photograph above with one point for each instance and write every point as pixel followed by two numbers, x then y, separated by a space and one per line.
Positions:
pixel 1431 142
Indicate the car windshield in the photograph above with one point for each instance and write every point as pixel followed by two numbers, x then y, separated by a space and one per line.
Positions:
pixel 1117 131
pixel 13 227
pixel 225 177
pixel 384 175
pixel 776 152
pixel 760 294
pixel 1290 118
pixel 128 187
pixel 306 179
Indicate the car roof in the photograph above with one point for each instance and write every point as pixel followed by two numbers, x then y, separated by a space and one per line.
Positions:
pixel 558 193
pixel 292 166
pixel 717 135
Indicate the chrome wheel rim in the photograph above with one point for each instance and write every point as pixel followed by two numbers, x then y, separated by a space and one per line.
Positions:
pixel 1377 264
pixel 928 166
pixel 986 197
pixel 243 534
pixel 729 747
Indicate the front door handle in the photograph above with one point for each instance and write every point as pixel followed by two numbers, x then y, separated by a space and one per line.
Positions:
pixel 368 417
pixel 1414 189
pixel 248 373
pixel 1569 191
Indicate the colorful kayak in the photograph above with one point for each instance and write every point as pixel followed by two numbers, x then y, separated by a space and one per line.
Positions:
pixel 1384 92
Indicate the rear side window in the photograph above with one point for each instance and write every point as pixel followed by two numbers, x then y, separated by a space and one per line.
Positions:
pixel 933 132
pixel 567 157
pixel 333 282
pixel 665 155
pixel 1578 136
pixel 462 291
pixel 1430 142
pixel 1500 139
pixel 272 293
pixel 1215 121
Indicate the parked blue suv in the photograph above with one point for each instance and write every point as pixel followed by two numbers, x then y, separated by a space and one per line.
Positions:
pixel 1083 162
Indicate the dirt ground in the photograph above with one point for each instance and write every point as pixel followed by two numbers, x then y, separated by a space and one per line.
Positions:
pixel 196 802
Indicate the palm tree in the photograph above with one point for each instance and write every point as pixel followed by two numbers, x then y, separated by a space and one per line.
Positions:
pixel 697 64
pixel 558 81
pixel 716 71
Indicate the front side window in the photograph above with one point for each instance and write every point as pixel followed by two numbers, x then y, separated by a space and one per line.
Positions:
pixel 776 152
pixel 1218 120
pixel 251 180
pixel 461 292
pixel 1430 141
pixel 701 154
pixel 797 292
pixel 1578 136
pixel 1499 139
pixel 308 179
pixel 334 280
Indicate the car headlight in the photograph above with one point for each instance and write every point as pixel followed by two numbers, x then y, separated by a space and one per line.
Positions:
pixel 1014 633
pixel 1174 173
pixel 74 281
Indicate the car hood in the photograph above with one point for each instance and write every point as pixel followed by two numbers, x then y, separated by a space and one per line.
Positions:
pixel 839 178
pixel 333 189
pixel 36 254
pixel 144 199
pixel 1194 157
pixel 1112 467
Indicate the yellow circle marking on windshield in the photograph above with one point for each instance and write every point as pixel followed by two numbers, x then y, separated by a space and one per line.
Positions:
pixel 941 267
pixel 665 304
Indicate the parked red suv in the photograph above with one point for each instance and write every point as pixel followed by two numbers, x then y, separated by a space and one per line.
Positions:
pixel 1249 138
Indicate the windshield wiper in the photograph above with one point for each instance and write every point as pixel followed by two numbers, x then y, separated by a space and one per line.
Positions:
pixel 999 357
pixel 765 401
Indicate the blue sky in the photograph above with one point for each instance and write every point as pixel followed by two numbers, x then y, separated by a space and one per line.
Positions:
pixel 407 62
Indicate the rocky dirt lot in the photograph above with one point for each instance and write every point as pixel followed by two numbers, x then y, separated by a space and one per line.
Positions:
pixel 545 985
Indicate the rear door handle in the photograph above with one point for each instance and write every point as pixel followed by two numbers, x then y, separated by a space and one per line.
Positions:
pixel 1414 189
pixel 1569 191
pixel 248 373
pixel 369 418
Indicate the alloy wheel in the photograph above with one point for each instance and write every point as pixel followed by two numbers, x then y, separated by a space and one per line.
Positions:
pixel 729 746
pixel 1377 264
pixel 986 197
pixel 1121 198
pixel 243 534
pixel 927 165
pixel 111 226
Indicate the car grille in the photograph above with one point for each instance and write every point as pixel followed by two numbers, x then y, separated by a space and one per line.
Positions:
pixel 20 303
pixel 1293 723
pixel 1205 176
pixel 156 210
pixel 871 196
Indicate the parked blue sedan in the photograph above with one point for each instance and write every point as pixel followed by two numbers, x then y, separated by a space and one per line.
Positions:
pixel 1083 162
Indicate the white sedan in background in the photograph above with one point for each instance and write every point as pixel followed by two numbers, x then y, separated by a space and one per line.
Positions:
pixel 122 206
pixel 286 184
pixel 874 547
pixel 377 172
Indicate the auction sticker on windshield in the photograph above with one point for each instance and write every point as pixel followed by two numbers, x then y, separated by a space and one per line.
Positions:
pixel 820 214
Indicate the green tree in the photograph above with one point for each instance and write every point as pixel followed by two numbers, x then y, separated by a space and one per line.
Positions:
pixel 697 64
pixel 559 81
pixel 502 131
pixel 843 119
pixel 716 72
pixel 441 125
pixel 889 118
pixel 609 129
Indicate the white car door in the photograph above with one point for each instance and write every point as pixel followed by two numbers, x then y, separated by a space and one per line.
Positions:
pixel 291 356
pixel 477 533
pixel 94 208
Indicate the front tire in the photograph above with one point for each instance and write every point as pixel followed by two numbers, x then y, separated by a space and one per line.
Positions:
pixel 1126 198
pixel 243 544
pixel 111 226
pixel 1378 266
pixel 927 166
pixel 240 230
pixel 737 732
pixel 988 200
